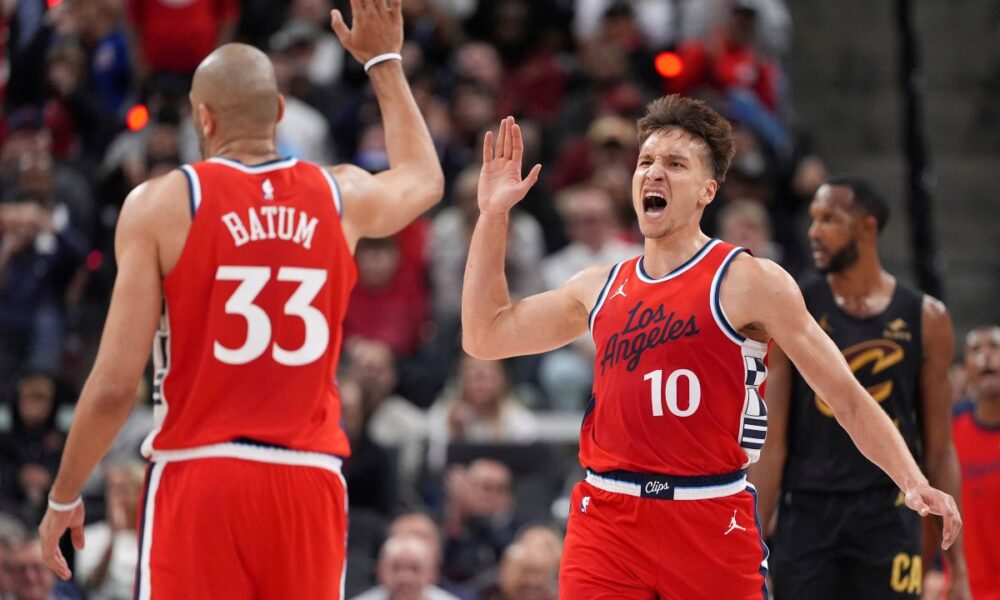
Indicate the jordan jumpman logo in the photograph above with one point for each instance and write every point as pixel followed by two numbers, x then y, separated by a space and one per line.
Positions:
pixel 733 525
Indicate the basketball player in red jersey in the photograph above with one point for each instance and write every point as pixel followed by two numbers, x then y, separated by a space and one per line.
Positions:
pixel 245 260
pixel 677 413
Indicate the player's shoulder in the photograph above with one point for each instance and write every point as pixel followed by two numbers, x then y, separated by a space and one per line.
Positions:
pixel 157 197
pixel 587 284
pixel 748 273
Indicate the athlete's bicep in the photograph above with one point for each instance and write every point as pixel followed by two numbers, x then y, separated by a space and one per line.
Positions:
pixel 935 386
pixel 136 302
pixel 541 322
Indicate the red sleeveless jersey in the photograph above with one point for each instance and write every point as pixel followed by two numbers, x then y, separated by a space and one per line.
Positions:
pixel 677 391
pixel 250 337
pixel 978 449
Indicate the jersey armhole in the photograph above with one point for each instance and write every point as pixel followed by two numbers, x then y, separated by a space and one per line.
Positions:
pixel 194 188
pixel 719 313
pixel 338 200
pixel 604 294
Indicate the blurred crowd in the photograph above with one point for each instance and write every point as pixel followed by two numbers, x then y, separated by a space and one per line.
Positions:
pixel 459 476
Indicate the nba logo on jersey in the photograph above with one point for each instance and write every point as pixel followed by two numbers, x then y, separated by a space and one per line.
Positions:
pixel 583 504
pixel 268 189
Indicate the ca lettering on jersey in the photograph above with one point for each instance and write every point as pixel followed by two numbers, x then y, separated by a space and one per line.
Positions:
pixel 645 329
pixel 271 222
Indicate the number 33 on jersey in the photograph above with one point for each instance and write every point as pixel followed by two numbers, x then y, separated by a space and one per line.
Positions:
pixel 253 311
pixel 677 390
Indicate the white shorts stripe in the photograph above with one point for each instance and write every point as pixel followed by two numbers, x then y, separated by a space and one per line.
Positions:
pixel 278 456
pixel 145 590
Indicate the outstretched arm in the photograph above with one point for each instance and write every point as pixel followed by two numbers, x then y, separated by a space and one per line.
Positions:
pixel 380 205
pixel 492 326
pixel 109 393
pixel 778 310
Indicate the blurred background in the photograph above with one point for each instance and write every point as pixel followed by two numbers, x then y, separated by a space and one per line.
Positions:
pixel 479 456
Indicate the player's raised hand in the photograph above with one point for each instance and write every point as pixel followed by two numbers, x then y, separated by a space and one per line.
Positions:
pixel 926 500
pixel 376 28
pixel 500 183
pixel 53 525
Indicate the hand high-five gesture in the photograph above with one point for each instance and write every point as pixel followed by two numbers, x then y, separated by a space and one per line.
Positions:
pixel 377 28
pixel 500 183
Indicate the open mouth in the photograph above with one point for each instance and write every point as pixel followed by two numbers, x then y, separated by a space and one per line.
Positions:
pixel 654 204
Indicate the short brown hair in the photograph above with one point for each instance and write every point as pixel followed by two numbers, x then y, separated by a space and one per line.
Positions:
pixel 697 119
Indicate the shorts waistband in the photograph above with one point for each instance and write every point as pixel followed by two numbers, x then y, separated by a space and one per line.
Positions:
pixel 669 487
pixel 248 451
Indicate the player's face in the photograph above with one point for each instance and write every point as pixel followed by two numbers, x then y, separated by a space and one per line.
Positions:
pixel 982 360
pixel 833 235
pixel 672 182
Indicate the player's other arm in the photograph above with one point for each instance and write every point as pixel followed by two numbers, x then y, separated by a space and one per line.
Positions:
pixel 776 308
pixel 492 326
pixel 940 459
pixel 381 205
pixel 109 392
pixel 766 474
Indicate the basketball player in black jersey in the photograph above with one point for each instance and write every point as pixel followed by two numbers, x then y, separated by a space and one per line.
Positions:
pixel 842 528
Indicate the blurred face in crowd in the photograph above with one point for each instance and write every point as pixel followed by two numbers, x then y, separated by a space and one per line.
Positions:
pixel 421 526
pixel 406 567
pixel 351 408
pixel 982 361
pixel 590 218
pixel 672 182
pixel 483 382
pixel 31 579
pixel 123 488
pixel 745 223
pixel 377 262
pixel 528 572
pixel 36 397
pixel 489 492
pixel 834 233
pixel 373 367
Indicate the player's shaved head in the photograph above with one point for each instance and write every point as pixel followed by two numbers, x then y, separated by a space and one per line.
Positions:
pixel 236 83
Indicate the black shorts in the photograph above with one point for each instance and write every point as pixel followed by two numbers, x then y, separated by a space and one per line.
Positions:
pixel 863 545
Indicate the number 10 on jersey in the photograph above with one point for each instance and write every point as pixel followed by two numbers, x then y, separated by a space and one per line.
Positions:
pixel 658 389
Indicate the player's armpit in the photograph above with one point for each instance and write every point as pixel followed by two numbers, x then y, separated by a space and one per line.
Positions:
pixel 383 204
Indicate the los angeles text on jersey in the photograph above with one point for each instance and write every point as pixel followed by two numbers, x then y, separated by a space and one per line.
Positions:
pixel 272 222
pixel 645 329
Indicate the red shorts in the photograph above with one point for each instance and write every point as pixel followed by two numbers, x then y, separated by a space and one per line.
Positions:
pixel 623 542
pixel 237 521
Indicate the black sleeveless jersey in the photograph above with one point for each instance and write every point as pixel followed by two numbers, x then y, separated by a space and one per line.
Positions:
pixel 885 354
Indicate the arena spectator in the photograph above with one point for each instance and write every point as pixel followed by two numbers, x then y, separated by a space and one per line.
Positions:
pixel 406 571
pixel 976 430
pixel 31 579
pixel 480 520
pixel 172 38
pixel 370 471
pixel 478 408
pixel 106 566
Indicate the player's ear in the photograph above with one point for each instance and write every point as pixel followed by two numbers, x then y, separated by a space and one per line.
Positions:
pixel 708 191
pixel 206 120
pixel 281 108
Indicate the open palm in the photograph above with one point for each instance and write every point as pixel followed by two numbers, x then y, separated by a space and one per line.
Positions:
pixel 500 183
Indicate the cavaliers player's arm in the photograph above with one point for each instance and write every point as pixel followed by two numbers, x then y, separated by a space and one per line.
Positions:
pixel 109 393
pixel 940 459
pixel 493 327
pixel 764 301
pixel 382 204
pixel 766 474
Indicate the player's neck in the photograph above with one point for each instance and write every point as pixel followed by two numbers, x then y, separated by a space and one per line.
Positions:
pixel 866 277
pixel 988 410
pixel 249 151
pixel 663 255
